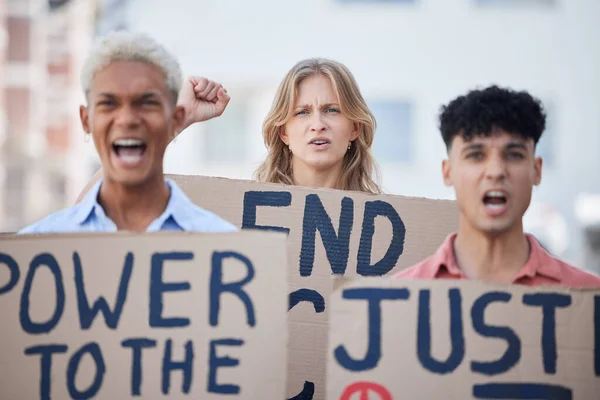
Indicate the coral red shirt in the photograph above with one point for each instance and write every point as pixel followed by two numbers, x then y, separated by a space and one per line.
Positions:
pixel 540 269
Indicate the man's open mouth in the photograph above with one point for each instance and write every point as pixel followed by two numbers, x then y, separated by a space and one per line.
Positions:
pixel 495 199
pixel 130 151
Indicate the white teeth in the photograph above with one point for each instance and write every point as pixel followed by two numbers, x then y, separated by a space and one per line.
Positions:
pixel 130 159
pixel 495 206
pixel 494 193
pixel 319 142
pixel 128 142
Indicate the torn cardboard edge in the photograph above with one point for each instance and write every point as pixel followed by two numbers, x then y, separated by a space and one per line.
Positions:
pixel 128 234
pixel 185 178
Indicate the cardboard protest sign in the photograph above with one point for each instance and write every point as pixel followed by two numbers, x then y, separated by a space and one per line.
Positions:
pixel 448 339
pixel 162 315
pixel 331 232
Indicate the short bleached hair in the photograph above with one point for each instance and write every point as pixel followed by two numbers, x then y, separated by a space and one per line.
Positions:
pixel 130 46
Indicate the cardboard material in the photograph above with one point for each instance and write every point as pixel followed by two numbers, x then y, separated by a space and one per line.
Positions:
pixel 446 339
pixel 184 315
pixel 330 232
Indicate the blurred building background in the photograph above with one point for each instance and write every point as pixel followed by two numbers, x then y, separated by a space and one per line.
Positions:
pixel 408 56
pixel 42 44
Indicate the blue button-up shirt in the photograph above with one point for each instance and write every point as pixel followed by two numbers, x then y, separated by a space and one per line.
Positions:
pixel 89 216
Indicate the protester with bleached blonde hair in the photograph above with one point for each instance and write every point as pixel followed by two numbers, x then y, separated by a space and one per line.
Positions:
pixel 319 130
pixel 131 85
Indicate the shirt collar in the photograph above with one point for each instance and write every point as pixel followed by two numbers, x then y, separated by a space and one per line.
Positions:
pixel 177 208
pixel 540 262
pixel 443 258
pixel 88 204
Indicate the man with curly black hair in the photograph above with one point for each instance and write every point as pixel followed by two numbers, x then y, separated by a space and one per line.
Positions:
pixel 491 136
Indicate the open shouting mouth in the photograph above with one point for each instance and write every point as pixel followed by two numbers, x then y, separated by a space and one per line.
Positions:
pixel 495 202
pixel 129 151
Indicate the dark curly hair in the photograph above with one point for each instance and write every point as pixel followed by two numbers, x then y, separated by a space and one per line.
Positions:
pixel 479 112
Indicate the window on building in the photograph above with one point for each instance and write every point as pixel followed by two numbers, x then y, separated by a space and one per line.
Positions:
pixel 14 195
pixel 18 110
pixel 19 39
pixel 225 138
pixel 393 138
pixel 56 4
